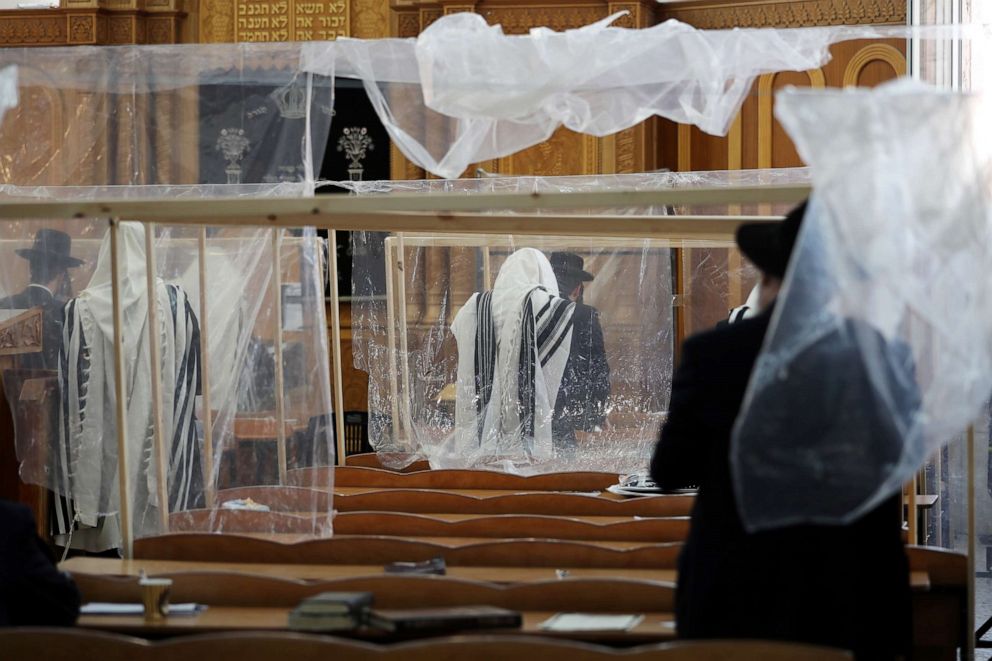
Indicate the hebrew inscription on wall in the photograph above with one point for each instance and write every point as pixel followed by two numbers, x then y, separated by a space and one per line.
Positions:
pixel 290 20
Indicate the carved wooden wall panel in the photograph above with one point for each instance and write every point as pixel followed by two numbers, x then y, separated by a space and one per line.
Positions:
pixel 94 22
pixel 756 139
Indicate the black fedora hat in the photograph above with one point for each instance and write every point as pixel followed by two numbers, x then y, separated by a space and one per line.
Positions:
pixel 769 245
pixel 51 246
pixel 569 266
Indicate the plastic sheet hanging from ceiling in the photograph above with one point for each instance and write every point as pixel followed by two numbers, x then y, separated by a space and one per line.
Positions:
pixel 427 307
pixel 244 386
pixel 464 92
pixel 878 351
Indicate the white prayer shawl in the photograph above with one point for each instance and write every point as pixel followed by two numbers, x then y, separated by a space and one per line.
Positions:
pixel 88 440
pixel 513 344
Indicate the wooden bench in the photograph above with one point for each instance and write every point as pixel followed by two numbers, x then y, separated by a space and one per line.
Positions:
pixel 372 460
pixel 74 645
pixel 594 595
pixel 940 615
pixel 399 524
pixel 353 476
pixel 511 526
pixel 383 550
pixel 326 572
pixel 429 501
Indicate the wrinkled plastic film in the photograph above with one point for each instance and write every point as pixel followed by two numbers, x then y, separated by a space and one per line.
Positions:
pixel 8 90
pixel 409 290
pixel 234 124
pixel 163 116
pixel 883 326
pixel 464 92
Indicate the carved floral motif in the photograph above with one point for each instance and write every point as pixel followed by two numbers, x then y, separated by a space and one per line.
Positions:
pixel 33 30
pixel 82 29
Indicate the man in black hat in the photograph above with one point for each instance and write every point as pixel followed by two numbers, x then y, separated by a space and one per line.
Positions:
pixel 49 260
pixel 585 384
pixel 844 586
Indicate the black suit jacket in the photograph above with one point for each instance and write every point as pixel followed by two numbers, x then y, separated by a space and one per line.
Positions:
pixel 844 586
pixel 32 590
pixel 585 383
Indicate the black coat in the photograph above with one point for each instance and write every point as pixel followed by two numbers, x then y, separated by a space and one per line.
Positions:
pixel 53 319
pixel 585 383
pixel 844 586
pixel 32 590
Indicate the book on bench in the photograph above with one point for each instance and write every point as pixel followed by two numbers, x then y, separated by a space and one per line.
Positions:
pixel 434 619
pixel 331 611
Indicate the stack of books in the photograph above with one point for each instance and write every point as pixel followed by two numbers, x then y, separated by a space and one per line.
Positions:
pixel 331 611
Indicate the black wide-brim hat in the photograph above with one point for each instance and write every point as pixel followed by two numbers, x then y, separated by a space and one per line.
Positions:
pixel 570 265
pixel 52 247
pixel 769 245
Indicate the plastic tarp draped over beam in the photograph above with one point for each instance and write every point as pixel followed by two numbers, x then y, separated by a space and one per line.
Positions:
pixel 601 392
pixel 244 398
pixel 464 92
pixel 878 350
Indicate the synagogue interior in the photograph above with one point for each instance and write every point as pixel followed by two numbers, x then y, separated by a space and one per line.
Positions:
pixel 565 329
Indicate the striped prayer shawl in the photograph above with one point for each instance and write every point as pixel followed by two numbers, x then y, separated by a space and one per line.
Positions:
pixel 542 336
pixel 85 463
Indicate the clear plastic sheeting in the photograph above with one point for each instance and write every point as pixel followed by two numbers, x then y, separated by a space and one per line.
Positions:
pixel 8 89
pixel 878 350
pixel 61 388
pixel 229 402
pixel 464 92
pixel 165 116
pixel 424 307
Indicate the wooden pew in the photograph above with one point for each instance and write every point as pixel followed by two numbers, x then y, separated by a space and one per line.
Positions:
pixel 940 615
pixel 427 501
pixel 74 645
pixel 509 526
pixel 243 521
pixel 352 476
pixel 399 524
pixel 372 460
pixel 310 572
pixel 383 550
pixel 596 595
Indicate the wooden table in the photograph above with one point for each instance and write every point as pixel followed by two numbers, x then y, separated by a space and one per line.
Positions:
pixel 919 580
pixel 506 575
pixel 487 493
pixel 656 627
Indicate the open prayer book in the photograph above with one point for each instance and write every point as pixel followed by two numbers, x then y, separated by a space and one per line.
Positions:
pixel 590 622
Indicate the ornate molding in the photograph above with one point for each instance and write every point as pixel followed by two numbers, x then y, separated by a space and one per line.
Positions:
pixel 722 14
pixel 521 18
pixel 93 22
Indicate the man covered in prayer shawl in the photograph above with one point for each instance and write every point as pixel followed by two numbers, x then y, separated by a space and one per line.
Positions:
pixel 86 457
pixel 513 346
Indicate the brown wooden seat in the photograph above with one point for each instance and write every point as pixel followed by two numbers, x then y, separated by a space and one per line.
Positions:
pixel 243 521
pixel 509 526
pixel 354 476
pixel 372 460
pixel 281 499
pixel 940 614
pixel 425 501
pixel 432 501
pixel 73 645
pixel 598 595
pixel 383 550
